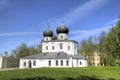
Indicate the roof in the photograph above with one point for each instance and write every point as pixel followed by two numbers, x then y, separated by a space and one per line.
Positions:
pixel 61 41
pixel 53 55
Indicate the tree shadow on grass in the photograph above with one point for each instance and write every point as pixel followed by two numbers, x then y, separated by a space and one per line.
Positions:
pixel 64 78
pixel 35 78
pixel 87 78
pixel 111 79
pixel 81 78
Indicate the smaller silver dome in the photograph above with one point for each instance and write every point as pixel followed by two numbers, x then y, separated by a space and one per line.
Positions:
pixel 48 32
pixel 54 37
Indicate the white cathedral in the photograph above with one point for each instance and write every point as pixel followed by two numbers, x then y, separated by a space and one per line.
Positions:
pixel 57 51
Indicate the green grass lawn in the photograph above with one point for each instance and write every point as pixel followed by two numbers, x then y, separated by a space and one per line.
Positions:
pixel 106 73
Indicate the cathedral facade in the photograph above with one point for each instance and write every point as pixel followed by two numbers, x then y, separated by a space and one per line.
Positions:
pixel 57 51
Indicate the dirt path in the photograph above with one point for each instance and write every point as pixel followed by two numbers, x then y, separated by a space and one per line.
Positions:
pixel 7 69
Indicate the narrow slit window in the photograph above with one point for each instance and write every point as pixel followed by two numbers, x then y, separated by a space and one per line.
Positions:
pixel 61 62
pixel 80 63
pixel 61 37
pixel 53 47
pixel 24 64
pixel 67 63
pixel 34 63
pixel 46 47
pixel 68 47
pixel 61 46
pixel 56 62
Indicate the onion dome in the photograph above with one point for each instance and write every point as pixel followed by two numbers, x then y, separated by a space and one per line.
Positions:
pixel 48 32
pixel 62 29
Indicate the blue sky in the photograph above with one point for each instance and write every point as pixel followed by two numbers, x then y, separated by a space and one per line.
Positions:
pixel 23 21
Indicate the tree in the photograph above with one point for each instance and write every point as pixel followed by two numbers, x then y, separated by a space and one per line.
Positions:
pixel 101 40
pixel 21 51
pixel 113 41
pixel 12 62
pixel 39 48
pixel 83 47
pixel 33 50
pixel 102 47
pixel 87 48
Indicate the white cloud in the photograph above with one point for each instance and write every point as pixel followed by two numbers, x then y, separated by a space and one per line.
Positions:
pixel 86 33
pixel 71 17
pixel 19 33
pixel 83 10
pixel 34 42
pixel 80 34
pixel 112 22
pixel 77 14
pixel 92 31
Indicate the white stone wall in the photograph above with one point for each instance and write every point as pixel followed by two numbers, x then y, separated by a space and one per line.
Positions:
pixel 62 36
pixel 47 38
pixel 72 50
pixel 79 63
pixel 83 63
pixel 45 63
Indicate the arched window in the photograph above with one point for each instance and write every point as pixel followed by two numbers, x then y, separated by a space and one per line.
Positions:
pixel 67 63
pixel 53 47
pixel 61 37
pixel 24 64
pixel 68 47
pixel 61 46
pixel 29 64
pixel 46 38
pixel 46 47
pixel 49 63
pixel 56 62
pixel 61 62
pixel 34 63
pixel 80 63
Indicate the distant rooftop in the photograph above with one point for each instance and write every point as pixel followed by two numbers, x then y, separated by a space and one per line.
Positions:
pixel 54 55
